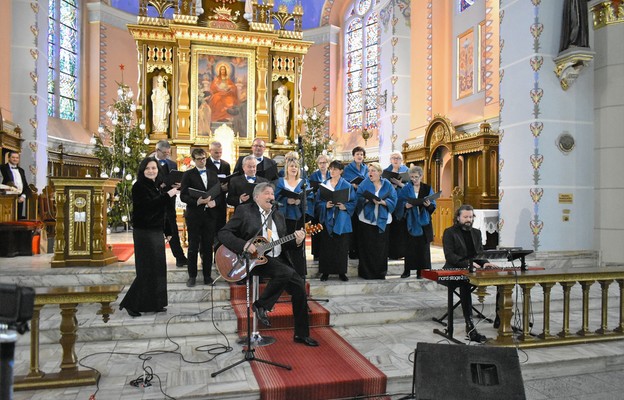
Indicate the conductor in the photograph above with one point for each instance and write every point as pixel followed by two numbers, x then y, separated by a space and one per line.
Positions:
pixel 462 243
pixel 247 221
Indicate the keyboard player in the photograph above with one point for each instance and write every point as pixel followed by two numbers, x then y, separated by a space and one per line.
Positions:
pixel 461 243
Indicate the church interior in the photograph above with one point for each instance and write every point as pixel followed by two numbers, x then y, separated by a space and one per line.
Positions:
pixel 515 107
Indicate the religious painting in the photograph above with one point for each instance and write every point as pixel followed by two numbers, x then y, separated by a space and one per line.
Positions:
pixel 482 57
pixel 222 90
pixel 465 64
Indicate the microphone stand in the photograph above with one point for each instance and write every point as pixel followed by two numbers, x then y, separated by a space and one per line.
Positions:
pixel 304 209
pixel 248 350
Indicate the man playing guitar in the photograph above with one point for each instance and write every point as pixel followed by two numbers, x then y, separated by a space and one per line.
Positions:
pixel 241 229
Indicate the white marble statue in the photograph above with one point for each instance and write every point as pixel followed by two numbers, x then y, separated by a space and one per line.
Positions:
pixel 160 105
pixel 281 110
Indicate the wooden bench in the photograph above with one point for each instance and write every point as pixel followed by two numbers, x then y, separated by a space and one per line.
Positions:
pixel 67 298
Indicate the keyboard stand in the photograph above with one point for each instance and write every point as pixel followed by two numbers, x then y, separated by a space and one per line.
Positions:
pixel 479 314
pixel 448 332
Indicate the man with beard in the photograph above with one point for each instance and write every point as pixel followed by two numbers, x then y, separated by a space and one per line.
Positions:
pixel 462 243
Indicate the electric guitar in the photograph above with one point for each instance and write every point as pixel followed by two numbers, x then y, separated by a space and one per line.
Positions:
pixel 231 266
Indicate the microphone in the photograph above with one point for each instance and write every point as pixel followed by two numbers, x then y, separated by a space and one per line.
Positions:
pixel 275 203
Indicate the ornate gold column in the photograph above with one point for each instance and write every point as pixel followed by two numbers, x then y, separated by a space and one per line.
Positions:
pixel 262 114
pixel 184 109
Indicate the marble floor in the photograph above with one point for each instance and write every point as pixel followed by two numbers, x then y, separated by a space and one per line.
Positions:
pixel 385 321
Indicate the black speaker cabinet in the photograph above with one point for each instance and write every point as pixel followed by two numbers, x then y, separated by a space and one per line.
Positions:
pixel 445 372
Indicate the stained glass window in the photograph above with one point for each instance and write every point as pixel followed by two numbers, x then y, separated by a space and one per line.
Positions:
pixel 361 59
pixel 63 45
pixel 464 4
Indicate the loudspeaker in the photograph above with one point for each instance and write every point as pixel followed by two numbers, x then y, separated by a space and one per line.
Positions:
pixel 445 371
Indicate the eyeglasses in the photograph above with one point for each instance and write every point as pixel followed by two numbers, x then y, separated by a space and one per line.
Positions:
pixel 200 159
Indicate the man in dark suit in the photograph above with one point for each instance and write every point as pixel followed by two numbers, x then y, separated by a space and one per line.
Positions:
pixel 201 216
pixel 462 244
pixel 163 152
pixel 13 175
pixel 239 191
pixel 266 168
pixel 250 220
pixel 222 169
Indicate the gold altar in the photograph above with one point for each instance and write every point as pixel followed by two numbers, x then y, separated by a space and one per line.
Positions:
pixel 220 73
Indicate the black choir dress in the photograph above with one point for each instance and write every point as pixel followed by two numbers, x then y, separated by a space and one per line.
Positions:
pixel 148 292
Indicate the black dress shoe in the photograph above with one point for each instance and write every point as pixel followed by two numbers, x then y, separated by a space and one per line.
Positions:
pixel 343 277
pixel 163 309
pixel 190 282
pixel 308 341
pixel 181 262
pixel 405 274
pixel 208 281
pixel 261 313
pixel 496 322
pixel 133 313
pixel 324 277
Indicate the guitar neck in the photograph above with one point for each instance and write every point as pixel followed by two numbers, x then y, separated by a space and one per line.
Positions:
pixel 268 246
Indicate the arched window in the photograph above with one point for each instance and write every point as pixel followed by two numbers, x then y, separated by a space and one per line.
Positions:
pixel 63 65
pixel 361 64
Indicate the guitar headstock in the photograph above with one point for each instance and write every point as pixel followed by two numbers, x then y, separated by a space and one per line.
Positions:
pixel 312 229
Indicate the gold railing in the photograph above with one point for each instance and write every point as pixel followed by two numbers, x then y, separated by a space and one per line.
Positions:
pixel 547 280
pixel 67 298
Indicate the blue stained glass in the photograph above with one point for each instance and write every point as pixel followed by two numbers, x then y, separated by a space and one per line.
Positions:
pixel 464 4
pixel 52 10
pixel 67 86
pixel 51 100
pixel 51 55
pixel 51 80
pixel 67 109
pixel 68 15
pixel 372 55
pixel 67 62
pixel 71 2
pixel 69 39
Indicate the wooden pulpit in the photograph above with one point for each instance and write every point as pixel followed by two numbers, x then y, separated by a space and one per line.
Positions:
pixel 81 220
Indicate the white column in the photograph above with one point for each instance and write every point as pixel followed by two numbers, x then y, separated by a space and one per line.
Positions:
pixel 537 179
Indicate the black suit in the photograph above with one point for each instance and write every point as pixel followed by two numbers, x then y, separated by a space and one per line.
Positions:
pixel 200 221
pixel 459 255
pixel 166 166
pixel 237 187
pixel 266 169
pixel 243 226
pixel 223 168
pixel 7 178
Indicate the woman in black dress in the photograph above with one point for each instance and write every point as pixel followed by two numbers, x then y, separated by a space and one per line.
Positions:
pixel 148 292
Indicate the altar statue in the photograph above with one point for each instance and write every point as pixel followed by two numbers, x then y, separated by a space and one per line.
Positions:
pixel 160 105
pixel 281 110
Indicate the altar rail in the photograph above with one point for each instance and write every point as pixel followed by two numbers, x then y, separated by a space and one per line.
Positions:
pixel 547 279
pixel 67 298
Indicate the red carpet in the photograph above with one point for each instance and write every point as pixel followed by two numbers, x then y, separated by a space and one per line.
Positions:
pixel 333 370
pixel 123 251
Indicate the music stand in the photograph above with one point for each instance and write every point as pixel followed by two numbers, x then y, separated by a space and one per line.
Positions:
pixel 249 351
pixel 509 253
pixel 257 339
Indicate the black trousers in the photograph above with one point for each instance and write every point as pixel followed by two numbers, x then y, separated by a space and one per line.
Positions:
pixel 174 242
pixel 283 277
pixel 201 234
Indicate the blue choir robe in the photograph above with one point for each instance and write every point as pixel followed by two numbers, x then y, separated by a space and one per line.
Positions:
pixel 290 211
pixel 386 192
pixel 417 216
pixel 351 171
pixel 336 220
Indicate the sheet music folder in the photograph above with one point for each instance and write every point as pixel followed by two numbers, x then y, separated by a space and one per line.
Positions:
pixel 402 176
pixel 335 196
pixel 508 253
pixel 420 201
pixel 173 177
pixel 213 192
